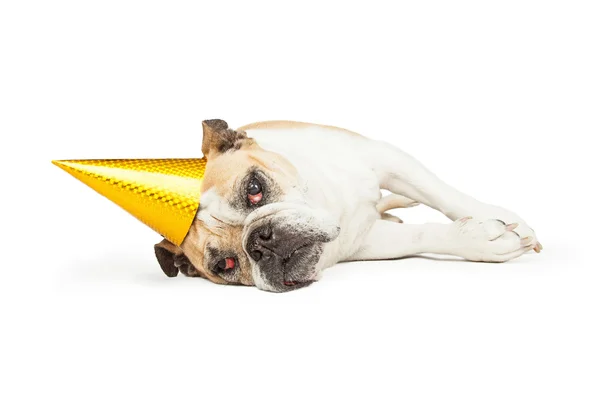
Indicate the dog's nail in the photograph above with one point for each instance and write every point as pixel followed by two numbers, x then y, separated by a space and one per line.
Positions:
pixel 465 219
pixel 512 227
pixel 527 248
pixel 526 240
pixel 540 246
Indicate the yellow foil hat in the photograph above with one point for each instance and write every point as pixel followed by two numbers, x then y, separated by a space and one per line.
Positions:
pixel 162 193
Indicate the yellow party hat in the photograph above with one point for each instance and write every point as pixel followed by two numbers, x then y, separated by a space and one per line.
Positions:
pixel 162 193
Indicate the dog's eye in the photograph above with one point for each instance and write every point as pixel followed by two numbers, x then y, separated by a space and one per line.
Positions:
pixel 254 190
pixel 225 264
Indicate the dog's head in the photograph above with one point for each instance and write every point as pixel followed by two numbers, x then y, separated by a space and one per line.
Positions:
pixel 256 224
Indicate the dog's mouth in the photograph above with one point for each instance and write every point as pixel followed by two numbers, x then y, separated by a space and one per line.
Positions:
pixel 297 273
pixel 293 285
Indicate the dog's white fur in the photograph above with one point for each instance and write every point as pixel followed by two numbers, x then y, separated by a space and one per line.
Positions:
pixel 346 174
pixel 337 195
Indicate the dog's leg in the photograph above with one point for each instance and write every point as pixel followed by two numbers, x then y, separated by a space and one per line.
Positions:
pixel 392 201
pixel 489 241
pixel 400 173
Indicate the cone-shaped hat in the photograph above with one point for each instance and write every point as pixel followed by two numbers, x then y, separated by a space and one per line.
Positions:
pixel 162 193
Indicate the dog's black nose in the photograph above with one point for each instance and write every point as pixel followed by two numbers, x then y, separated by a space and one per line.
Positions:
pixel 259 241
pixel 265 232
pixel 266 243
pixel 256 255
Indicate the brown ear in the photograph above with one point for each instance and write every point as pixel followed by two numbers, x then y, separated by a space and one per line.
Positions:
pixel 218 138
pixel 165 254
pixel 172 260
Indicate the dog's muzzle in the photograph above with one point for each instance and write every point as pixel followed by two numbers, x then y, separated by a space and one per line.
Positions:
pixel 284 242
pixel 286 259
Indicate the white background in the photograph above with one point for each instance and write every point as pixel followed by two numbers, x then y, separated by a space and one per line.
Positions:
pixel 501 99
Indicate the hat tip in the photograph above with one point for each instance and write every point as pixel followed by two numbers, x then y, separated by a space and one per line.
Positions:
pixel 60 163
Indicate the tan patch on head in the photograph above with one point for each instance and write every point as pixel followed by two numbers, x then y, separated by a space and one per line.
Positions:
pixel 223 171
pixel 225 241
pixel 293 125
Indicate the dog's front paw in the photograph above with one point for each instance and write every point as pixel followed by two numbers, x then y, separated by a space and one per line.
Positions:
pixel 489 240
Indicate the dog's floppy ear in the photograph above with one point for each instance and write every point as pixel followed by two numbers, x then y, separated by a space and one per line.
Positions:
pixel 218 138
pixel 165 254
pixel 172 260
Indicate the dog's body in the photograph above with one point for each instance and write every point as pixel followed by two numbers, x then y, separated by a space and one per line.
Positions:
pixel 284 200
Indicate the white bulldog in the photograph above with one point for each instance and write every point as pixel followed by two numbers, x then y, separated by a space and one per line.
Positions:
pixel 282 201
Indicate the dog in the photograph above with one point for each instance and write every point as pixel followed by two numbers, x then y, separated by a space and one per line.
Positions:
pixel 281 201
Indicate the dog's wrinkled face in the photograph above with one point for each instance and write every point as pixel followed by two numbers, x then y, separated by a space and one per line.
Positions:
pixel 255 225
